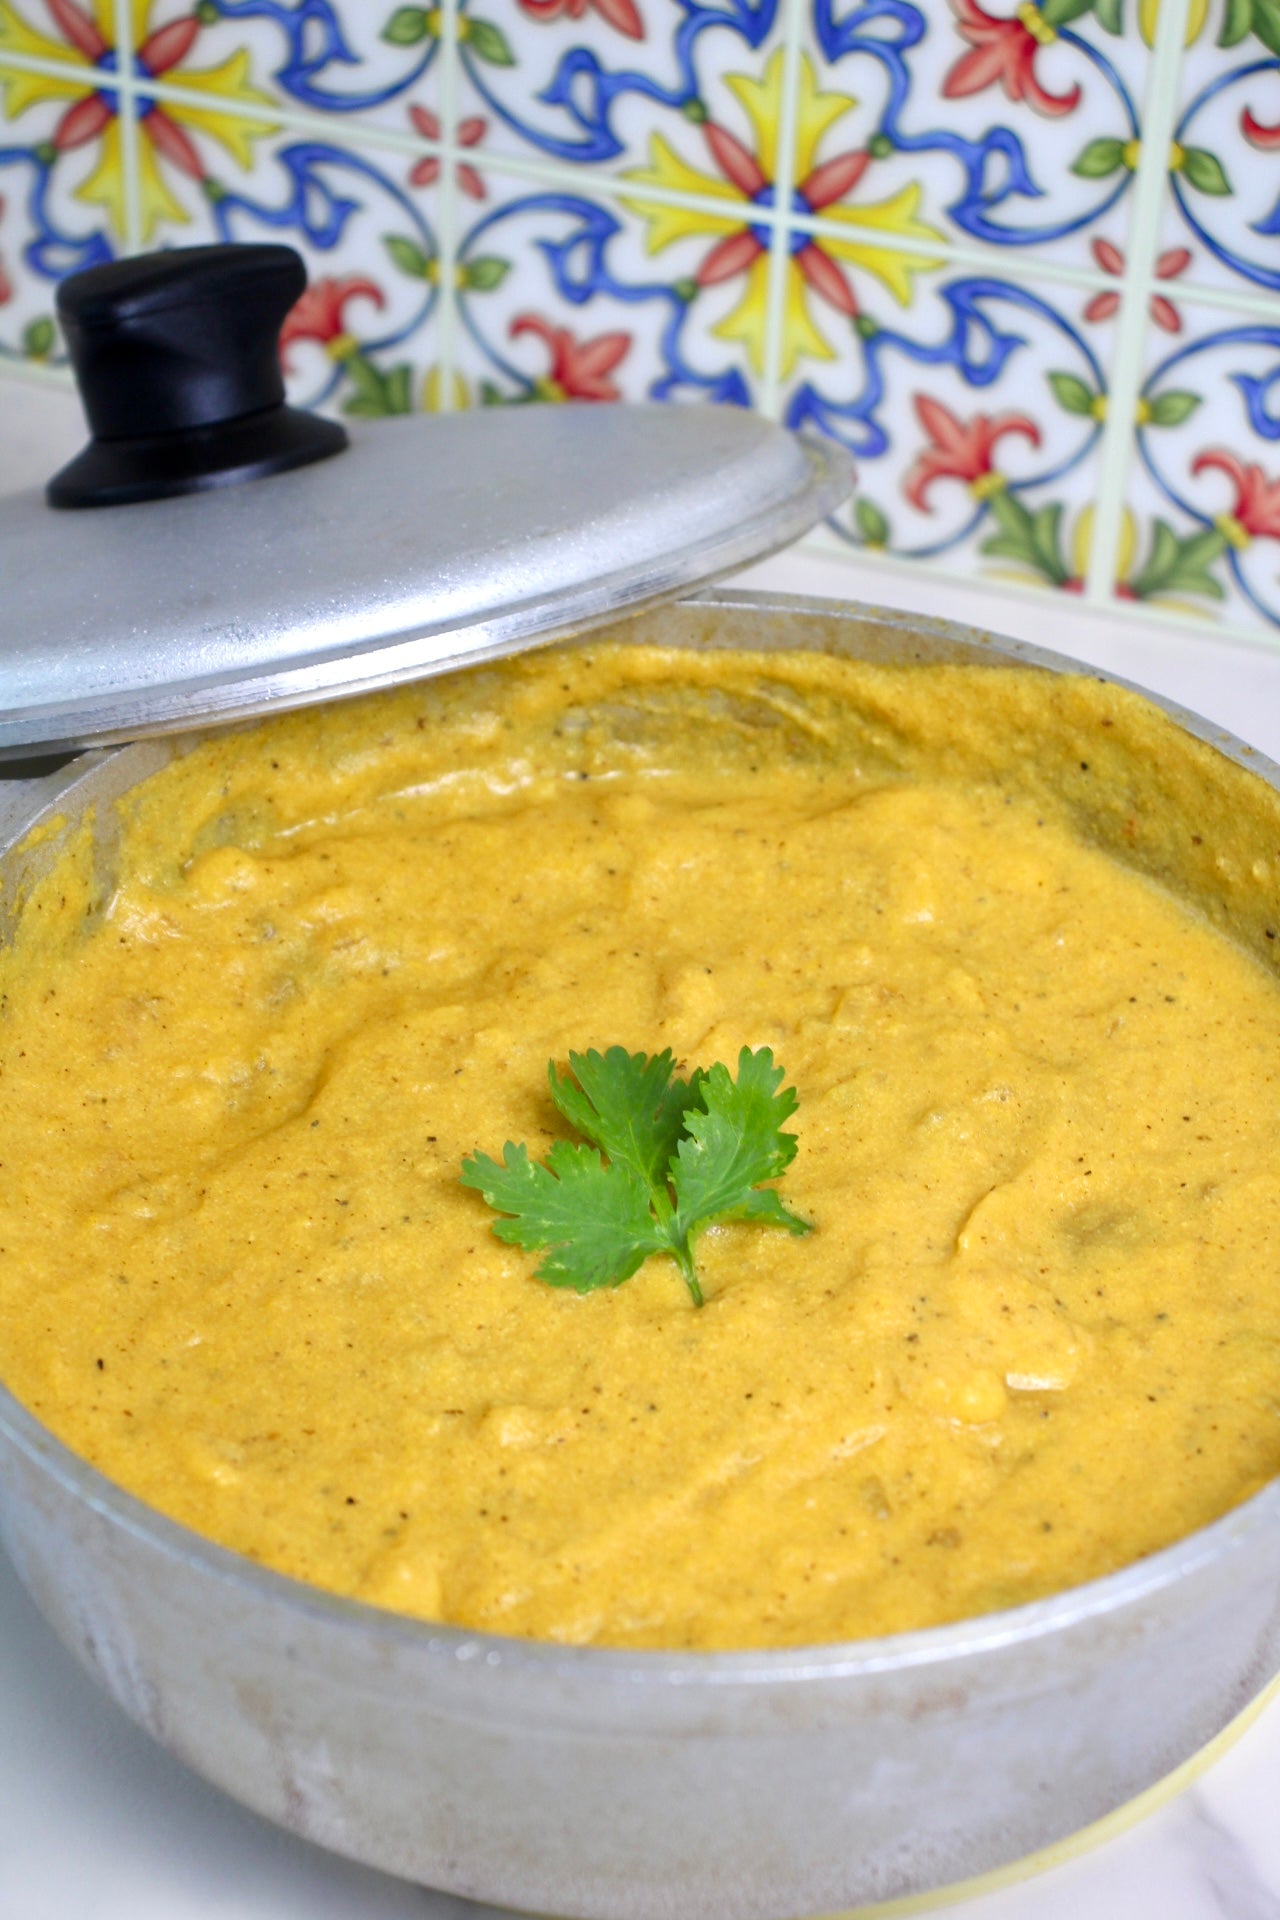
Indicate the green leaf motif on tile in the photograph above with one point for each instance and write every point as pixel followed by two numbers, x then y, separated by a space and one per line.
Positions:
pixel 487 42
pixel 1099 158
pixel 399 389
pixel 376 395
pixel 407 26
pixel 1172 408
pixel 1071 393
pixel 1196 554
pixel 1059 13
pixel 408 255
pixel 871 522
pixel 1160 562
pixel 1237 20
pixel 485 272
pixel 1174 566
pixel 1109 14
pixel 1046 524
pixel 1205 171
pixel 1266 23
pixel 38 339
pixel 1030 539
pixel 367 384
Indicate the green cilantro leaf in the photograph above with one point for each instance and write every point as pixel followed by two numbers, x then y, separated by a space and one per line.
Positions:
pixel 734 1143
pixel 629 1105
pixel 595 1219
pixel 681 1154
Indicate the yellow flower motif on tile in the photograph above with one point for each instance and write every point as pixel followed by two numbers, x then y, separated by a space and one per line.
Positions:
pixel 1150 580
pixel 87 51
pixel 434 392
pixel 741 191
pixel 1082 543
pixel 1149 16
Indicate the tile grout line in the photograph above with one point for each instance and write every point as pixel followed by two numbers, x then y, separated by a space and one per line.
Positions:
pixel 1137 283
pixel 511 166
pixel 960 253
pixel 1160 107
pixel 611 187
pixel 130 133
pixel 1137 613
pixel 39 373
pixel 1260 306
pixel 302 118
pixel 1156 619
pixel 362 133
pixel 447 223
pixel 606 186
pixel 784 170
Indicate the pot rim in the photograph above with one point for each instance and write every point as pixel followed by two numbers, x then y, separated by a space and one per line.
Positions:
pixel 751 1668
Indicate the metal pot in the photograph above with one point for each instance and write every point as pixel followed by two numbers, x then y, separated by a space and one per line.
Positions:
pixel 624 1786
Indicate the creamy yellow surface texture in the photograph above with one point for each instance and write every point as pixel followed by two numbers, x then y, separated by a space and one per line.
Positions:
pixel 1035 1332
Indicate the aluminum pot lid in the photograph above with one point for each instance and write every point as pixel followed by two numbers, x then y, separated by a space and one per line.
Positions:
pixel 427 543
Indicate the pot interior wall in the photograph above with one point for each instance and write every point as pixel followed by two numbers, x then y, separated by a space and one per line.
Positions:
pixel 1161 791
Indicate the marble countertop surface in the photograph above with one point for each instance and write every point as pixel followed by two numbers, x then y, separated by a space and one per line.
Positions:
pixel 96 1822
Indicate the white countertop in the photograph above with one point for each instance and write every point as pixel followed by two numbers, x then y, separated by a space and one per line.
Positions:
pixel 97 1823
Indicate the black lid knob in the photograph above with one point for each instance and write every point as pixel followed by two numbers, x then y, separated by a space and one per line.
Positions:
pixel 176 355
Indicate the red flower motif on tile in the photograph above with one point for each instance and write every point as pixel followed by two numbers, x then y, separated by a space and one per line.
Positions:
pixel 470 134
pixel 822 188
pixel 579 368
pixel 1003 53
pixel 320 314
pixel 1171 263
pixel 1257 506
pixel 1266 138
pixel 743 187
pixel 215 103
pixel 961 450
pixel 161 51
pixel 623 15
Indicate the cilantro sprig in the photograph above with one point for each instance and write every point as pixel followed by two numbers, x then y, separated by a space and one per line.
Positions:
pixel 667 1158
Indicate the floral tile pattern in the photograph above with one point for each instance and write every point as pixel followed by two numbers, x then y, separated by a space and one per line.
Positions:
pixel 51 219
pixel 1012 128
pixel 366 59
pixel 176 137
pixel 560 298
pixel 607 84
pixel 975 426
pixel 363 339
pixel 1224 184
pixel 1203 517
pixel 944 231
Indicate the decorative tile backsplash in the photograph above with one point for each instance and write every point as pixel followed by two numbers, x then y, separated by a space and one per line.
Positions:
pixel 1023 260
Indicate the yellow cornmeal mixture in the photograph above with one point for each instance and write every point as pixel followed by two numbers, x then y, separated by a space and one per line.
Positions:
pixel 1034 1334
